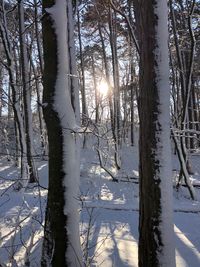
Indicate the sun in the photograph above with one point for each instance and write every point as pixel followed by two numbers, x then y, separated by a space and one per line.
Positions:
pixel 103 88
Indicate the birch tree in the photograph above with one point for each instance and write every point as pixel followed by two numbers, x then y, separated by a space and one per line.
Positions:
pixel 155 218
pixel 61 245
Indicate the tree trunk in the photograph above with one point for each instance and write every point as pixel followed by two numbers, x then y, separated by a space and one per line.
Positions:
pixel 97 100
pixel 26 94
pixel 155 218
pixel 43 138
pixel 14 97
pixel 38 36
pixel 73 77
pixel 115 66
pixel 83 99
pixel 106 67
pixel 61 245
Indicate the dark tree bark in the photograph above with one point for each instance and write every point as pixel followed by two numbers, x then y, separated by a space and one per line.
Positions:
pixel 155 219
pixel 115 67
pixel 61 246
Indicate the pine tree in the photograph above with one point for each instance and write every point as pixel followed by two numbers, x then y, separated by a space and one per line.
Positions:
pixel 155 218
pixel 61 245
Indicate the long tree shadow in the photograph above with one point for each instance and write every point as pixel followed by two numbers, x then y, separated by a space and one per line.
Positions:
pixel 186 253
pixel 189 225
pixel 115 236
pixel 22 238
pixel 124 249
pixel 113 239
pixel 187 241
pixel 22 216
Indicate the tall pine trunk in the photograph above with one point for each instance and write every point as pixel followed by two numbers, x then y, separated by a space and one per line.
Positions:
pixel 155 218
pixel 61 245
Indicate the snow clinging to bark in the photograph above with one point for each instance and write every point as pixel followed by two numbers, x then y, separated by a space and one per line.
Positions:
pixel 163 153
pixel 63 106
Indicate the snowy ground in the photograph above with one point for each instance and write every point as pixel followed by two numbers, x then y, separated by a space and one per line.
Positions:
pixel 109 215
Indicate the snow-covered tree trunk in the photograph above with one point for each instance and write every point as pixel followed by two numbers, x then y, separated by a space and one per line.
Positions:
pixel 156 244
pixel 61 245
pixel 73 75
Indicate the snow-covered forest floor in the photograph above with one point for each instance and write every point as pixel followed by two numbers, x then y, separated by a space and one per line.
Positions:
pixel 109 214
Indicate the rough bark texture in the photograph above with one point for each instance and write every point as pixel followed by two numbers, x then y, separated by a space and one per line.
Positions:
pixel 55 241
pixel 152 242
pixel 61 245
pixel 150 195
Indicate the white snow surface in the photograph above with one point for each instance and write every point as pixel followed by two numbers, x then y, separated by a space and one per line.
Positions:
pixel 109 214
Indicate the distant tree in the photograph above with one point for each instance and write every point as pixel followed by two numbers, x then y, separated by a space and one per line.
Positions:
pixel 14 92
pixel 82 76
pixel 156 247
pixel 183 59
pixel 26 93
